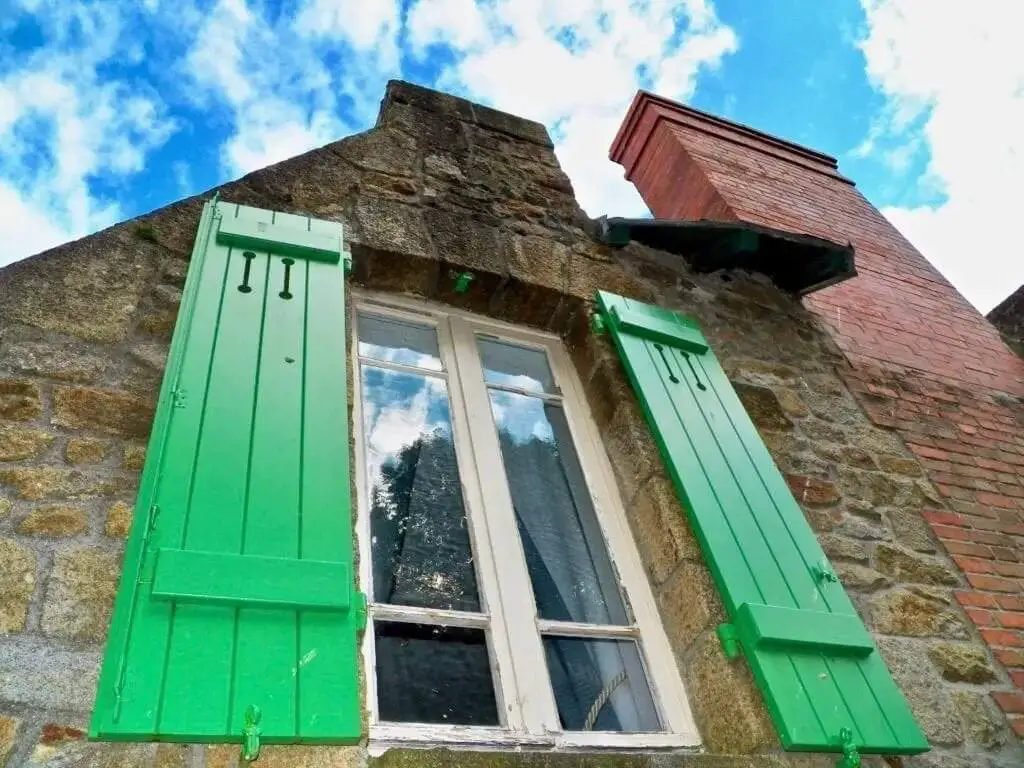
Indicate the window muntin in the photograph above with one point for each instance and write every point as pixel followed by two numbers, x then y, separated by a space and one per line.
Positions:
pixel 610 641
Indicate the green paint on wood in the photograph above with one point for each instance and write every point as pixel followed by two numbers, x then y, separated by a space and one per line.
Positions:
pixel 246 232
pixel 761 550
pixel 267 582
pixel 248 459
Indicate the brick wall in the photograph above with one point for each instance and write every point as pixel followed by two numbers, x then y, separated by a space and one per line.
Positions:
pixel 925 363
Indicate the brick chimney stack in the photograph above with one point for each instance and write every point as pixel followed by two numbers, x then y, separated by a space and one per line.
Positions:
pixel 898 312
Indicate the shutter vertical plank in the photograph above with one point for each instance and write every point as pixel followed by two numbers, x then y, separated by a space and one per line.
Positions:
pixel 329 700
pixel 202 652
pixel 128 694
pixel 758 544
pixel 266 673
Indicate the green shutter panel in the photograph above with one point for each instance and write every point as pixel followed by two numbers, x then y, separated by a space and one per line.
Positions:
pixel 822 677
pixel 237 593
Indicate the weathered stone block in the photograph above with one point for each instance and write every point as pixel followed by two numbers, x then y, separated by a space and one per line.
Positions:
pixel 962 663
pixel 460 241
pixel 842 548
pixel 85 450
pixel 390 226
pixel 813 491
pixel 119 520
pixel 907 613
pixel 292 756
pixel 80 594
pixel 904 565
pixel 8 733
pixel 55 521
pixel 631 449
pixel 35 673
pixel 110 411
pixel 900 466
pixel 689 604
pixel 85 754
pixel 19 443
pixel 860 577
pixel 17 580
pixel 5 507
pixel 134 456
pixel 791 403
pixel 160 323
pixel 763 407
pixel 928 697
pixel 910 530
pixel 19 400
pixel 587 276
pixel 986 726
pixel 727 704
pixel 35 483
pixel 540 261
pixel 88 288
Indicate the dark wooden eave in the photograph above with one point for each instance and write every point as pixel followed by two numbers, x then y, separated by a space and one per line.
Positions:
pixel 799 264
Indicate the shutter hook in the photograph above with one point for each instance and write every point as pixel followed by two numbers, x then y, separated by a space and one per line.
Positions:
pixel 597 324
pixel 851 757
pixel 823 572
pixel 251 732
pixel 671 375
pixel 696 378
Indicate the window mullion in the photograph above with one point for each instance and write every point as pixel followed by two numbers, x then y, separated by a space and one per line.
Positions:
pixel 516 610
pixel 488 567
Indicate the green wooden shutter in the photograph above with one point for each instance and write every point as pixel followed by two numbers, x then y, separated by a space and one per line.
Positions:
pixel 821 675
pixel 237 589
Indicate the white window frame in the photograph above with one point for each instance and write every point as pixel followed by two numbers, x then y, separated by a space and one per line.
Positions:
pixel 525 701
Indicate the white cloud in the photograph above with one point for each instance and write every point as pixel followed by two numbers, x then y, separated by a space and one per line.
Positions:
pixel 368 25
pixel 575 66
pixel 957 78
pixel 267 81
pixel 62 124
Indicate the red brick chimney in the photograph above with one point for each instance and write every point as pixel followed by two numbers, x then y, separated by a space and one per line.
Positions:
pixel 899 311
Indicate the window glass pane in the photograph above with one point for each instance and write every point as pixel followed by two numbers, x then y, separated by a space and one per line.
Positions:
pixel 397 341
pixel 600 685
pixel 569 567
pixel 433 674
pixel 418 531
pixel 513 366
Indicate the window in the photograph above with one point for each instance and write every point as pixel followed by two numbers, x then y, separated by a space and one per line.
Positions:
pixel 507 601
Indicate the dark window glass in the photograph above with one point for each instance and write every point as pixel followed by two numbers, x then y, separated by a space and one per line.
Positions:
pixel 433 674
pixel 513 366
pixel 571 573
pixel 397 341
pixel 418 531
pixel 600 685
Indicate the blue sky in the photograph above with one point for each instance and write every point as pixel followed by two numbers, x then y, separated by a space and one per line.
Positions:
pixel 110 109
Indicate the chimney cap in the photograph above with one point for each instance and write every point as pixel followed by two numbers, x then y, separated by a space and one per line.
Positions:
pixel 707 122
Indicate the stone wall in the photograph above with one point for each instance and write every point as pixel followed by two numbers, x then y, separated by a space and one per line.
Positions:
pixel 441 186
pixel 1008 317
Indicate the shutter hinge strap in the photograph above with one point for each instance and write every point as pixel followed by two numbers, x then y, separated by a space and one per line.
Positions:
pixel 251 733
pixel 729 639
pixel 851 756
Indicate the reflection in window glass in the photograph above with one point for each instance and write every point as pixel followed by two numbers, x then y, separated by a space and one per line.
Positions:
pixel 418 531
pixel 600 685
pixel 434 674
pixel 513 366
pixel 396 341
pixel 566 557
